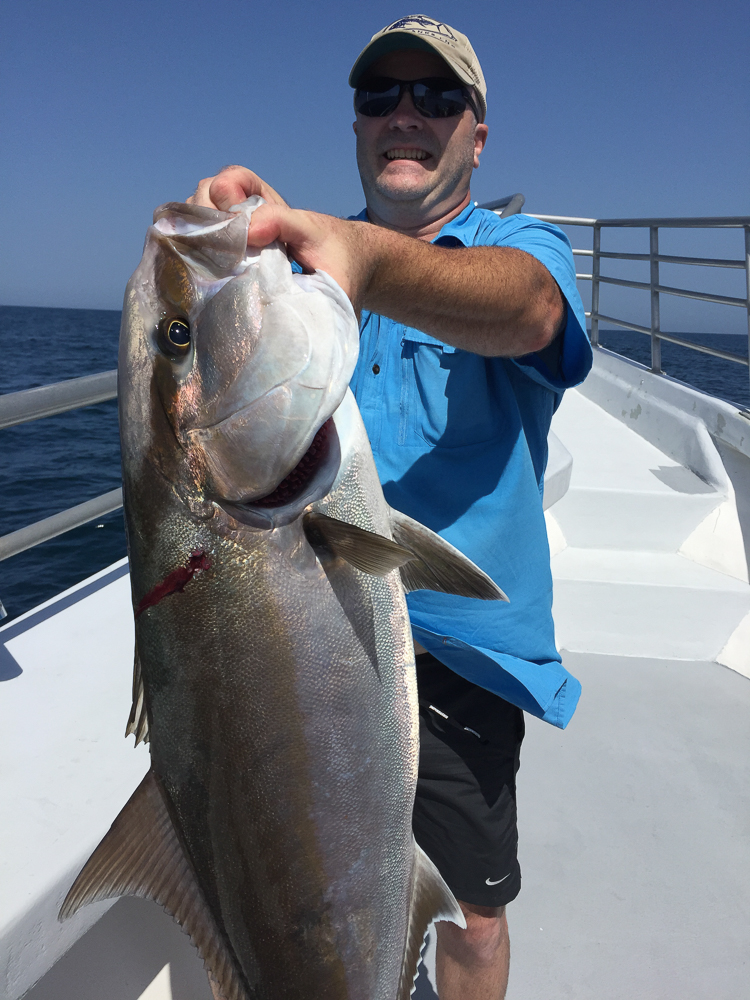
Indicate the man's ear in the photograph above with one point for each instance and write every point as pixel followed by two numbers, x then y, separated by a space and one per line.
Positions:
pixel 354 126
pixel 480 138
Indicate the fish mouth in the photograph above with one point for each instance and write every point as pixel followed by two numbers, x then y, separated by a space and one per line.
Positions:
pixel 310 480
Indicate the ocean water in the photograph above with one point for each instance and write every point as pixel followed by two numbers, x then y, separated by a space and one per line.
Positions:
pixel 51 464
pixel 54 463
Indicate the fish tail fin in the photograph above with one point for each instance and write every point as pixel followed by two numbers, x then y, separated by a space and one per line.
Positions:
pixel 431 900
pixel 141 855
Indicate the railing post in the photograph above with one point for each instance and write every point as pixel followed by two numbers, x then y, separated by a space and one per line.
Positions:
pixel 655 321
pixel 597 246
pixel 747 288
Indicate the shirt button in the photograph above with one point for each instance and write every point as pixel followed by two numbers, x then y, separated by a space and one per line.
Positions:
pixel 376 369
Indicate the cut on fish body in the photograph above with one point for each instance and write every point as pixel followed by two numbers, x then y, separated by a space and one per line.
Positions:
pixel 274 678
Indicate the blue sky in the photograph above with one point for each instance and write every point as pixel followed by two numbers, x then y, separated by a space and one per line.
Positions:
pixel 110 108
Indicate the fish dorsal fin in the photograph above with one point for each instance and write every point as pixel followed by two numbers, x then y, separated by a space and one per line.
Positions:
pixel 365 550
pixel 438 565
pixel 141 855
pixel 138 718
pixel 431 900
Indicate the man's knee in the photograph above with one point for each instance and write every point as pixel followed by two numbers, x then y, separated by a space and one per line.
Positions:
pixel 486 933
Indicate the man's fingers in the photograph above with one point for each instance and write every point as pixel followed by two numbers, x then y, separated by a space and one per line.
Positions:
pixel 277 222
pixel 229 187
pixel 202 196
pixel 233 185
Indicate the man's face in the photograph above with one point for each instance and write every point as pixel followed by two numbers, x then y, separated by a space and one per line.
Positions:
pixel 410 165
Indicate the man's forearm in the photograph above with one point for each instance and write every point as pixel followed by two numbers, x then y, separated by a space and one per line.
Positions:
pixel 495 301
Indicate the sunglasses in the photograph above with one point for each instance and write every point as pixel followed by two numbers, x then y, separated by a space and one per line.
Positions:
pixel 433 97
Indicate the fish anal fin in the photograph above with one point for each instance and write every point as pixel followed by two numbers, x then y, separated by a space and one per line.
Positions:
pixel 438 565
pixel 431 900
pixel 138 718
pixel 141 855
pixel 365 550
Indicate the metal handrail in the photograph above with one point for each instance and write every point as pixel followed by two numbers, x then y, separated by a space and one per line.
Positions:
pixel 50 527
pixel 653 285
pixel 705 349
pixel 511 204
pixel 49 400
pixel 681 222
pixel 46 401
pixel 666 259
pixel 677 222
pixel 701 348
pixel 726 300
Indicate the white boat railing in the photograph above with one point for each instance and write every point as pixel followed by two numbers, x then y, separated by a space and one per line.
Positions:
pixel 654 286
pixel 33 404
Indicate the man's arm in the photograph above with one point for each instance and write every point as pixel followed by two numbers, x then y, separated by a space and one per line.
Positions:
pixel 494 301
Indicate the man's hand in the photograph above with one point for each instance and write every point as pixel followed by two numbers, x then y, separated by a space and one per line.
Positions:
pixel 231 186
pixel 348 251
pixel 315 241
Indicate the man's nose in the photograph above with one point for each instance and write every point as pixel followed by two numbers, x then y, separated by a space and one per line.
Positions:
pixel 405 115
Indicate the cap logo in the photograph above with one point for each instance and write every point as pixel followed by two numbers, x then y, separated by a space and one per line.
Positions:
pixel 424 26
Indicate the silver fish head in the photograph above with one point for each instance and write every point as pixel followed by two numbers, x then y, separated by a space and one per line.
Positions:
pixel 239 364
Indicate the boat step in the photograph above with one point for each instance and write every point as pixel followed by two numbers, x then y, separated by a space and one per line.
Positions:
pixel 633 519
pixel 649 604
pixel 609 455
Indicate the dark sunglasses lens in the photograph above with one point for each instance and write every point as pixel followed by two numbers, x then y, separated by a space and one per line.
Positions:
pixel 433 102
pixel 377 103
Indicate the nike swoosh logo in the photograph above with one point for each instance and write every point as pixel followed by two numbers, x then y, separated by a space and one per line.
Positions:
pixel 490 882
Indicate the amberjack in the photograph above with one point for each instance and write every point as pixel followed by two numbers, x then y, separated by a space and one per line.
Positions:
pixel 274 669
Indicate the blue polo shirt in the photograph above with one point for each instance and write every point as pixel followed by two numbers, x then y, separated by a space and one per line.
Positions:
pixel 460 443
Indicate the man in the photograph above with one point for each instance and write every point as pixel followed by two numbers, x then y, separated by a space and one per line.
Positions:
pixel 471 328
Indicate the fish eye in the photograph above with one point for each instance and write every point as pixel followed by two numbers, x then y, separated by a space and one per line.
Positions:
pixel 174 336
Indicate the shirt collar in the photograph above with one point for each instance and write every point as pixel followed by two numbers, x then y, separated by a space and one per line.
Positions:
pixel 463 228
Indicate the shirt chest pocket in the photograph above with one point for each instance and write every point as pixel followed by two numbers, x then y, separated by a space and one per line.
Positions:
pixel 448 396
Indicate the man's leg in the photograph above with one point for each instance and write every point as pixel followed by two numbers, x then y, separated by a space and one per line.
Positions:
pixel 473 964
pixel 465 820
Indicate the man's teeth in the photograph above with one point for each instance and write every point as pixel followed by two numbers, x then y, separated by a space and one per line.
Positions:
pixel 406 154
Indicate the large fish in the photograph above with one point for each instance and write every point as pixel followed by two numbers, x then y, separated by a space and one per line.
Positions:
pixel 274 674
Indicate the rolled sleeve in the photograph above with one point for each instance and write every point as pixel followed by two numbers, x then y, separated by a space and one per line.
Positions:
pixel 551 247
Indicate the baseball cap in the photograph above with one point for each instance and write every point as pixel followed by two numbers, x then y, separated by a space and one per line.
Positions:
pixel 418 31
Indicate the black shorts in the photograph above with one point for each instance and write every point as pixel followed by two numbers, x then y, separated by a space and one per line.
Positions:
pixel 465 809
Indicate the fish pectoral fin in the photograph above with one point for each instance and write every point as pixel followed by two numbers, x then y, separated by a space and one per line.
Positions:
pixel 365 550
pixel 438 565
pixel 141 855
pixel 431 900
pixel 138 718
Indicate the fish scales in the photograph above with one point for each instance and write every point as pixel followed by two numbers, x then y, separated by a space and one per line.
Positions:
pixel 274 665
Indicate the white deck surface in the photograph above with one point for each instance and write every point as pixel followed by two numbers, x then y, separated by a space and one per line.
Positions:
pixel 66 769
